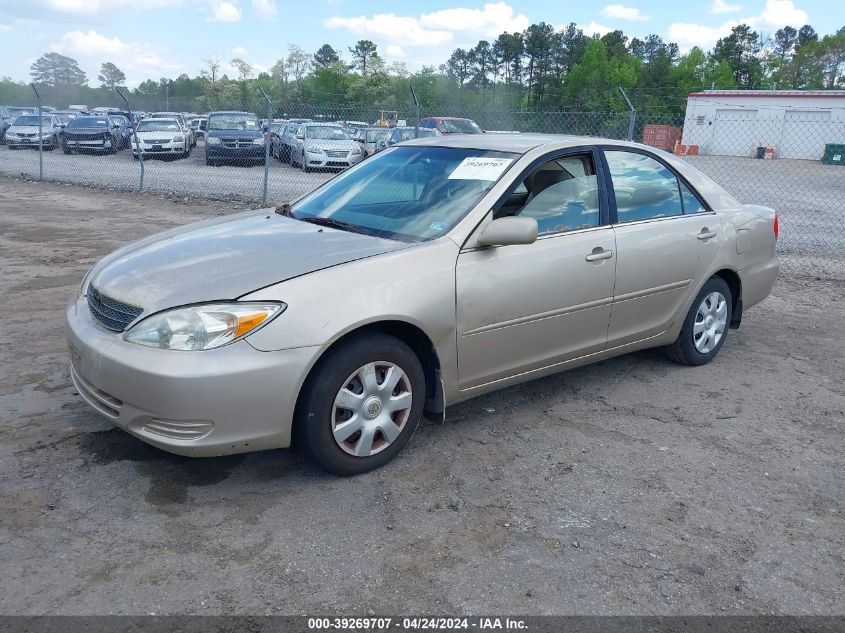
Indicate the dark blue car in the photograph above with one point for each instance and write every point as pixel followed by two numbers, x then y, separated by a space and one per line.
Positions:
pixel 92 133
pixel 234 137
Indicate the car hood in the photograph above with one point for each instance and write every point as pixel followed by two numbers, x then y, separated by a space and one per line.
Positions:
pixel 169 134
pixel 223 259
pixel 28 129
pixel 235 133
pixel 327 144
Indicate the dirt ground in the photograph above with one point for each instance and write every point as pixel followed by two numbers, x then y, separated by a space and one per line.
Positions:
pixel 633 486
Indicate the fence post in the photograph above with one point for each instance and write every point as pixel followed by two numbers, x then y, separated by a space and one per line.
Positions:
pixel 266 134
pixel 40 135
pixel 417 112
pixel 632 117
pixel 134 134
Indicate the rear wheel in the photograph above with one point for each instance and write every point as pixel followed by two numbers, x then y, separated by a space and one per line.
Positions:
pixel 361 404
pixel 705 326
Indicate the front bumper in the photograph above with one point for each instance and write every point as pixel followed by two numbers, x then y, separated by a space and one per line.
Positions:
pixel 98 144
pixel 159 149
pixel 28 142
pixel 234 399
pixel 221 152
pixel 326 160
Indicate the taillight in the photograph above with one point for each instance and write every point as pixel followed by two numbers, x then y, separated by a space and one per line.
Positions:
pixel 776 227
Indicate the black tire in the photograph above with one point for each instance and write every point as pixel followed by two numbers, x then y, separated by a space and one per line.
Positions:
pixel 683 350
pixel 314 414
pixel 66 149
pixel 209 162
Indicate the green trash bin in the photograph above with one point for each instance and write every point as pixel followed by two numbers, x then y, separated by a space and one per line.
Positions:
pixel 834 154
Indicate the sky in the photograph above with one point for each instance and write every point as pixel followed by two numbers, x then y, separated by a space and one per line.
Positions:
pixel 149 39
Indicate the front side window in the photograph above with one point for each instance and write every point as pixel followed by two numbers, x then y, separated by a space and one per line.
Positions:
pixel 561 195
pixel 406 193
pixel 645 189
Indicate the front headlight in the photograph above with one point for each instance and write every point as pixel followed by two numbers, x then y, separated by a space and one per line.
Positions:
pixel 202 327
pixel 212 140
pixel 314 150
pixel 178 138
pixel 357 150
pixel 258 141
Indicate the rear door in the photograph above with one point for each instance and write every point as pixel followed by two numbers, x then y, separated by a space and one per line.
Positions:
pixel 666 239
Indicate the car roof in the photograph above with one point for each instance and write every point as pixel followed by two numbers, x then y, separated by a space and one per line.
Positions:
pixel 320 123
pixel 162 118
pixel 446 118
pixel 516 143
pixel 231 112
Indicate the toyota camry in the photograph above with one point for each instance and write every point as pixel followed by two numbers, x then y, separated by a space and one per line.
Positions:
pixel 438 270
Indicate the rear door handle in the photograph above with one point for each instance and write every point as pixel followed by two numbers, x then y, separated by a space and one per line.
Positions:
pixel 706 234
pixel 599 254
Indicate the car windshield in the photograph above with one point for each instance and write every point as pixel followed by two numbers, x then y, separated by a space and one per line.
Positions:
pixel 406 193
pixel 118 120
pixel 373 136
pixel 240 122
pixel 276 127
pixel 407 135
pixel 88 121
pixel 28 119
pixel 327 132
pixel 153 125
pixel 459 126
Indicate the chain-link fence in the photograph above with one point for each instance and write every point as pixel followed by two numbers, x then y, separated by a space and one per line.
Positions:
pixel 791 161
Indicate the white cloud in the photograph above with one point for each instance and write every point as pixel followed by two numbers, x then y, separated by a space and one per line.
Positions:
pixel 264 8
pixel 490 21
pixel 686 34
pixel 779 13
pixel 239 50
pixel 722 6
pixel 433 29
pixel 395 51
pixel 224 11
pixel 96 7
pixel 139 60
pixel 593 28
pixel 621 12
pixel 775 14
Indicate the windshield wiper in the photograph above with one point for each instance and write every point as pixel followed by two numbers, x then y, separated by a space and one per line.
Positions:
pixel 334 224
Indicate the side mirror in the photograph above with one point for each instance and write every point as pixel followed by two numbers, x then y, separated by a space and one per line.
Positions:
pixel 509 231
pixel 299 137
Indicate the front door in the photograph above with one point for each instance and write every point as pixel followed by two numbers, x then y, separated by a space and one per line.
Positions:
pixel 526 307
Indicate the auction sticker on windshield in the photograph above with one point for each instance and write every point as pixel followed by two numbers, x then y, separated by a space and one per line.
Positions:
pixel 480 168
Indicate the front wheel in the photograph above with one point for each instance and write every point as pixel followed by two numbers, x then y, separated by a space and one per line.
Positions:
pixel 705 326
pixel 362 404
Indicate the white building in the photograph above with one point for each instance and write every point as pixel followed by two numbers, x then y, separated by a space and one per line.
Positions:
pixel 796 123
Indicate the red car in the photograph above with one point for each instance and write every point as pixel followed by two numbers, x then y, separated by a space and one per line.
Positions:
pixel 451 125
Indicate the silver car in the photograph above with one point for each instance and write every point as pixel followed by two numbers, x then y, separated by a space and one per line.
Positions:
pixel 23 133
pixel 323 145
pixel 370 137
pixel 433 272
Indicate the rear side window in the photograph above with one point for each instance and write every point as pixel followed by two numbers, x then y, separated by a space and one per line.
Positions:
pixel 644 188
pixel 691 202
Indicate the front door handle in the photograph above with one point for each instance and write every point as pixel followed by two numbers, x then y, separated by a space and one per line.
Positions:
pixel 706 234
pixel 599 254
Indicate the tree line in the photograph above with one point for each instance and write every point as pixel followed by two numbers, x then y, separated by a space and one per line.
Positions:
pixel 541 68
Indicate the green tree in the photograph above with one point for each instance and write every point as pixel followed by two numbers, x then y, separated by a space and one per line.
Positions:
pixel 739 50
pixel 325 57
pixel 111 76
pixel 362 52
pixel 53 69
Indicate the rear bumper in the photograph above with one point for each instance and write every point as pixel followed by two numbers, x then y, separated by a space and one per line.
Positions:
pixel 229 400
pixel 758 281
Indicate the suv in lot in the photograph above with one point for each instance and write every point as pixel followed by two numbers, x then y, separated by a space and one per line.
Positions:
pixel 451 125
pixel 234 137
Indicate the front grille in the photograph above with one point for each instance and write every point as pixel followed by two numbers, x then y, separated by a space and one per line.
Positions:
pixel 85 137
pixel 163 141
pixel 27 135
pixel 335 154
pixel 111 313
pixel 237 142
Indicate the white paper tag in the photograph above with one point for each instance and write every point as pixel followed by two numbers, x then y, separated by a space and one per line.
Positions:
pixel 480 168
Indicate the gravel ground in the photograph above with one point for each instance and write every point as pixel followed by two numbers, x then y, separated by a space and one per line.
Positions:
pixel 807 195
pixel 633 486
